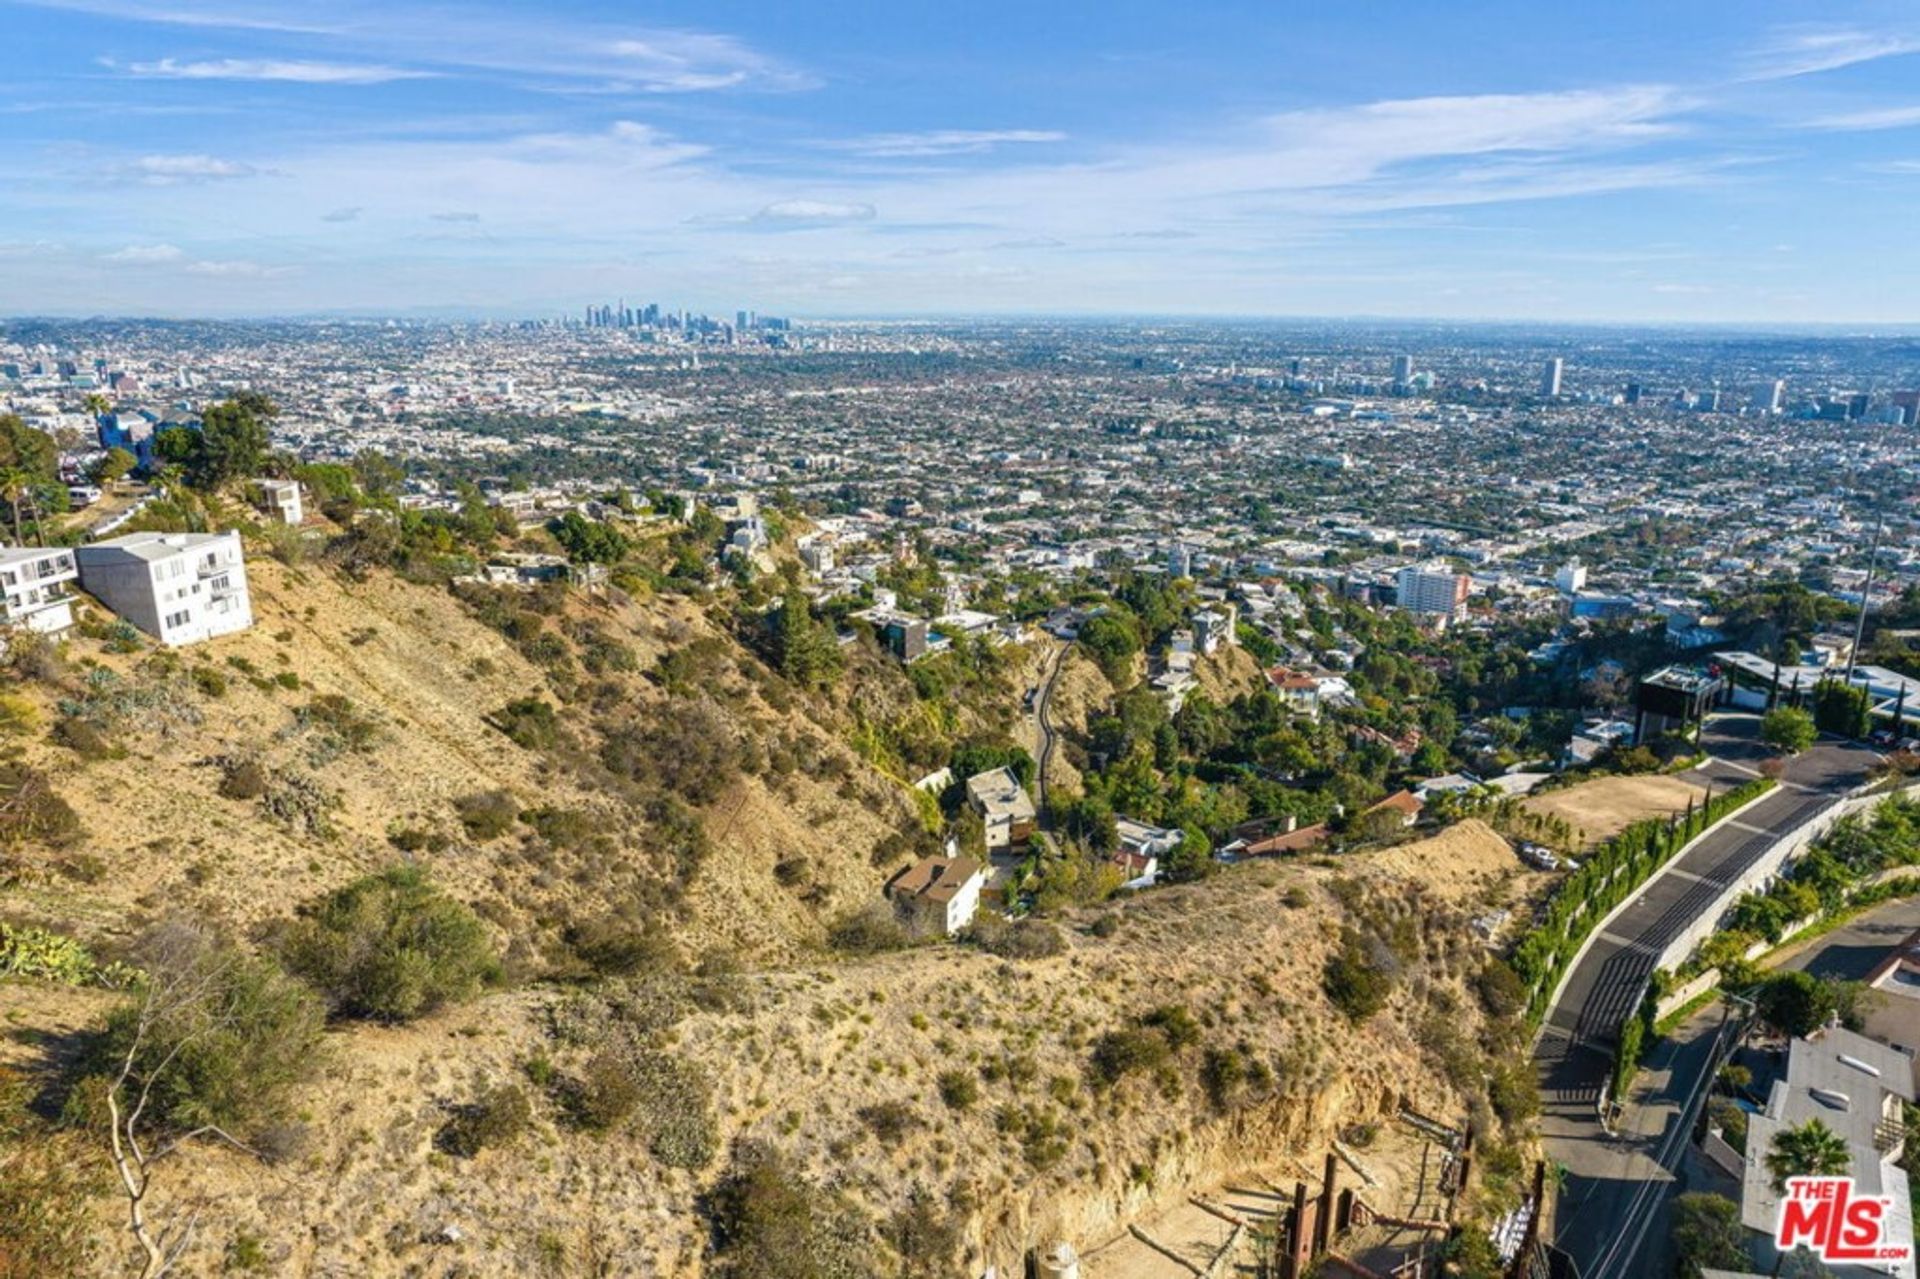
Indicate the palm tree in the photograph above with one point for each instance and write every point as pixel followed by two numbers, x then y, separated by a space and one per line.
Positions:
pixel 16 483
pixel 1807 1150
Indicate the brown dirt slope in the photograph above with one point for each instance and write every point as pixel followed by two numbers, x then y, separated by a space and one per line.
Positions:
pixel 806 1057
pixel 1606 806
pixel 426 674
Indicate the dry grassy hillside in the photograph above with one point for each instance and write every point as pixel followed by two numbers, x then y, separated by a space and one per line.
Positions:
pixel 420 676
pixel 574 768
pixel 943 1081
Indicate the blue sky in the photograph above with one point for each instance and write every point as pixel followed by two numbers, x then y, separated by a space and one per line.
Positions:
pixel 1699 161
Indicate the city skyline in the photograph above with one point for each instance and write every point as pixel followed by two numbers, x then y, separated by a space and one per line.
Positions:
pixel 1719 165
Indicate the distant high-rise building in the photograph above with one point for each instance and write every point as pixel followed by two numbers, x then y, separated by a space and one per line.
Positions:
pixel 1908 402
pixel 1770 397
pixel 1571 577
pixel 740 321
pixel 1857 405
pixel 1180 561
pixel 1434 591
pixel 1633 392
pixel 1402 369
pixel 1550 378
pixel 1707 401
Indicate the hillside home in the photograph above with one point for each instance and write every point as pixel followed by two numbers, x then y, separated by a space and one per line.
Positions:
pixel 179 588
pixel 937 894
pixel 36 588
pixel 1857 1087
pixel 280 499
pixel 1004 808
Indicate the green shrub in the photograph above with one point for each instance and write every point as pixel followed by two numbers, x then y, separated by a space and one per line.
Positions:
pixel 1026 939
pixel 493 1122
pixel 47 1179
pixel 606 1094
pixel 889 1121
pixel 770 1222
pixel 18 716
pixel 243 778
pixel 32 812
pixel 959 1089
pixel 487 814
pixel 528 722
pixel 1356 980
pixel 217 1036
pixel 611 947
pixel 869 931
pixel 390 947
pixel 1119 1053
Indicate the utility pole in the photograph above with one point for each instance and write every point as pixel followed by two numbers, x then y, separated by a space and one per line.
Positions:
pixel 1866 588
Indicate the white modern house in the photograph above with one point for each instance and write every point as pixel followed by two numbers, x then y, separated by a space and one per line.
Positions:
pixel 36 587
pixel 180 588
pixel 1857 1087
pixel 280 499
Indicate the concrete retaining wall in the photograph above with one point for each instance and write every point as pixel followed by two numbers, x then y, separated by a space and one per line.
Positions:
pixel 1762 873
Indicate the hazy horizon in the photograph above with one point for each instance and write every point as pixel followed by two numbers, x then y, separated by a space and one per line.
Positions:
pixel 1488 161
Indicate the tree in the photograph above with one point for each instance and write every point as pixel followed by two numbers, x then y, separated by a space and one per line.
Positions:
pixel 1795 1003
pixel 210 1046
pixel 1810 1149
pixel 1111 641
pixel 1191 858
pixel 589 541
pixel 1788 730
pixel 232 441
pixel 804 649
pixel 16 485
pixel 115 465
pixel 1841 708
pixel 1707 1235
pixel 28 448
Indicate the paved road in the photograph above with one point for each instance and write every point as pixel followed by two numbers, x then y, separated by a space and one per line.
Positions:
pixel 1048 738
pixel 1849 952
pixel 1602 1192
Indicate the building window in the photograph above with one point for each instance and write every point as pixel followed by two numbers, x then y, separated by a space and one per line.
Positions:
pixel 178 619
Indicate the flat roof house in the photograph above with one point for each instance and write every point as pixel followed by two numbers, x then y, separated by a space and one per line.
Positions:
pixel 180 588
pixel 938 893
pixel 36 587
pixel 1004 807
pixel 1856 1087
pixel 280 499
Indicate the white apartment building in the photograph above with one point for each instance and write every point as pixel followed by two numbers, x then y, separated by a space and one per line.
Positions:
pixel 36 589
pixel 180 588
pixel 1433 591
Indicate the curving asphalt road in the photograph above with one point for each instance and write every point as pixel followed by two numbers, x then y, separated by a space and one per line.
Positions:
pixel 1603 1190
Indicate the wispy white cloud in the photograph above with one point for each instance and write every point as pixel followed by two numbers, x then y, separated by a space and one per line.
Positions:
pixel 1883 118
pixel 940 142
pixel 349 214
pixel 291 71
pixel 1807 50
pixel 145 254
pixel 240 269
pixel 180 170
pixel 801 212
pixel 542 48
pixel 458 215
